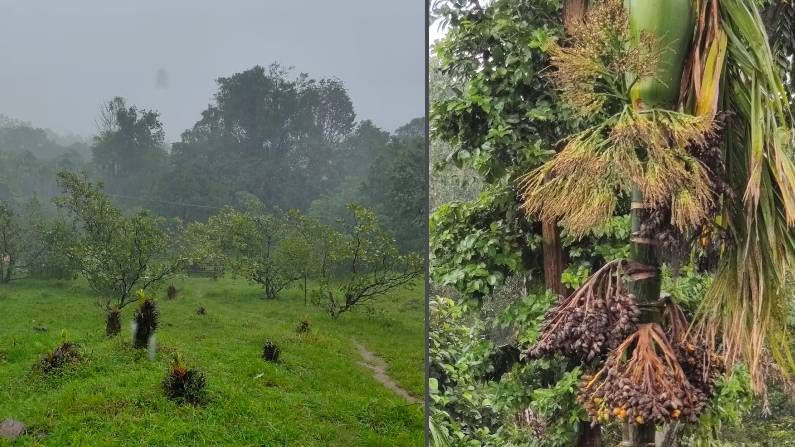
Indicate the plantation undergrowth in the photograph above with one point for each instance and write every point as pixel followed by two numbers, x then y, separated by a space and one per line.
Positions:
pixel 315 395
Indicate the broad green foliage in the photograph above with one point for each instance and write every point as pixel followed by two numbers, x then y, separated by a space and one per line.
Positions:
pixel 474 248
pixel 601 245
pixel 531 403
pixel 252 244
pixel 458 353
pixel 500 116
pixel 525 313
pixel 731 404
pixel 365 265
pixel 503 115
pixel 117 253
pixel 28 243
pixel 688 286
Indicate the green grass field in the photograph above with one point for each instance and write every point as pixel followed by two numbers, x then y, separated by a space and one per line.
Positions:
pixel 318 395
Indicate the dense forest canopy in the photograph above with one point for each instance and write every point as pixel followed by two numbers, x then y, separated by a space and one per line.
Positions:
pixel 294 142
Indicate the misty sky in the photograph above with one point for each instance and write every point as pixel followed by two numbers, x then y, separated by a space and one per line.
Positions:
pixel 61 60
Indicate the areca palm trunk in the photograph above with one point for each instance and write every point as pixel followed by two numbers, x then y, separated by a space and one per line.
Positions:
pixel 671 22
pixel 645 285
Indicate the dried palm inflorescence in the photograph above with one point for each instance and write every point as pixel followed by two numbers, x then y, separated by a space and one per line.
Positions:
pixel 580 185
pixel 592 320
pixel 145 321
pixel 184 384
pixel 590 67
pixel 67 352
pixel 303 326
pixel 271 351
pixel 673 243
pixel 634 145
pixel 642 382
pixel 113 322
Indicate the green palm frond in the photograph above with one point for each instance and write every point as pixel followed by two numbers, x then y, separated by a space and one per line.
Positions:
pixel 747 307
pixel 780 21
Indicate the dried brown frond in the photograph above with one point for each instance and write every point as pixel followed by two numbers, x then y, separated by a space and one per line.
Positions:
pixel 642 382
pixel 746 318
pixel 592 320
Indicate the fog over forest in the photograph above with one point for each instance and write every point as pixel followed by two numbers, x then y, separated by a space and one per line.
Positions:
pixel 184 124
pixel 65 59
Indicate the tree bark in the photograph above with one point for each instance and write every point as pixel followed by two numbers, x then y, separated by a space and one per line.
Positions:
pixel 573 13
pixel 6 278
pixel 590 436
pixel 553 257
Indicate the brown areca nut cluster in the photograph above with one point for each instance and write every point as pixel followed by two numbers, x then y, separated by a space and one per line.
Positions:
pixel 642 382
pixel 701 365
pixel 592 321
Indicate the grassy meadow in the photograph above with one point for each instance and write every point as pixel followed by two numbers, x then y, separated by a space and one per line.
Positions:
pixel 317 395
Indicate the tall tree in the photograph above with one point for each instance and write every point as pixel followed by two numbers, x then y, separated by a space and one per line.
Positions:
pixel 118 254
pixel 393 188
pixel 128 152
pixel 275 137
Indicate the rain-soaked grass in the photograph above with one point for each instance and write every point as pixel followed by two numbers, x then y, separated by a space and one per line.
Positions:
pixel 316 395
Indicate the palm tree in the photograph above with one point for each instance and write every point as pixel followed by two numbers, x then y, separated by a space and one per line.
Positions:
pixel 689 118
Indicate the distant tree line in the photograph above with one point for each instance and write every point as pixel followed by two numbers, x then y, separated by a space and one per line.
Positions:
pixel 123 256
pixel 291 142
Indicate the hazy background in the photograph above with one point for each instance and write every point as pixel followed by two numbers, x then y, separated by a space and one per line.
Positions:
pixel 62 60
